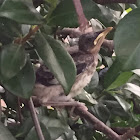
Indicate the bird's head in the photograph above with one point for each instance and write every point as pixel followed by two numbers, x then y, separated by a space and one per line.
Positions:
pixel 91 42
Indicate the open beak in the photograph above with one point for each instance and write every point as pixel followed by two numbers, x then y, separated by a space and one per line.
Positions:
pixel 99 40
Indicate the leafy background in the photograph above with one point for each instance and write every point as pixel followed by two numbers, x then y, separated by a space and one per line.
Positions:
pixel 112 96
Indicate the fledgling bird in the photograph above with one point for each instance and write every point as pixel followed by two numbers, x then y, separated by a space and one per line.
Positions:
pixel 90 45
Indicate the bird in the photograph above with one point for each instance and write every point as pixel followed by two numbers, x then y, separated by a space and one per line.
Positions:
pixel 89 46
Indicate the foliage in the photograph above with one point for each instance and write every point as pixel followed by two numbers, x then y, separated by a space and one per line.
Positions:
pixel 113 96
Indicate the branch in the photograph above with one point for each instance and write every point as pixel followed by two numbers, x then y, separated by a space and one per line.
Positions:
pixel 19 110
pixel 114 1
pixel 131 132
pixel 99 125
pixel 35 119
pixel 83 22
pixel 27 37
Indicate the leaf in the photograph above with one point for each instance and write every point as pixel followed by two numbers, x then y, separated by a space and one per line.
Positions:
pixel 138 3
pixel 115 77
pixel 9 29
pixel 57 60
pixel 33 134
pixel 55 127
pixel 5 133
pixel 120 80
pixel 86 97
pixel 93 83
pixel 20 11
pixel 25 128
pixel 116 6
pixel 137 71
pixel 23 83
pixel 133 89
pixel 102 112
pixel 12 60
pixel 65 14
pixel 127 38
pixel 125 105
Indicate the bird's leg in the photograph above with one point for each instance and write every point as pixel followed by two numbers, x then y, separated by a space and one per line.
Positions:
pixel 72 104
pixel 65 104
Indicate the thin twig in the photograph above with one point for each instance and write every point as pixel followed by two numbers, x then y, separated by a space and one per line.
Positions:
pixel 99 125
pixel 27 37
pixel 35 119
pixel 19 111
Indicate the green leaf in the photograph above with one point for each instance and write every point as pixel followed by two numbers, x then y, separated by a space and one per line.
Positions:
pixel 120 80
pixel 93 83
pixel 126 38
pixel 20 11
pixel 102 112
pixel 5 133
pixel 112 78
pixel 9 29
pixel 12 60
pixel 65 14
pixel 138 3
pixel 86 97
pixel 33 134
pixel 133 89
pixel 125 105
pixel 23 83
pixel 55 127
pixel 57 60
pixel 127 42
pixel 25 128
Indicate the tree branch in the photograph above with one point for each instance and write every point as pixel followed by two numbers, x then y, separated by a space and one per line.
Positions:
pixel 27 37
pixel 83 22
pixel 99 125
pixel 35 119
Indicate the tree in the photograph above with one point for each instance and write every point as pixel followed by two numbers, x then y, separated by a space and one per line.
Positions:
pixel 38 46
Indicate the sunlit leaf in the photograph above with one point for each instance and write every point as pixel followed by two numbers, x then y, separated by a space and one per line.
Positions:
pixel 137 71
pixel 133 88
pixel 120 80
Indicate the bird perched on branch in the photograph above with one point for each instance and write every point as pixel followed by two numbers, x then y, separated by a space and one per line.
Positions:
pixel 89 45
